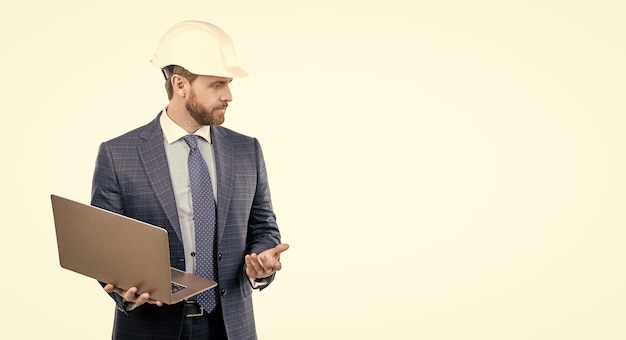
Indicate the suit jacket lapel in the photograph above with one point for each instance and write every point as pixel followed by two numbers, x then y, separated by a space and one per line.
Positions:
pixel 153 157
pixel 224 165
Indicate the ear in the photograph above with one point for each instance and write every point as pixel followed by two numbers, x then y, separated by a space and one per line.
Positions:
pixel 180 85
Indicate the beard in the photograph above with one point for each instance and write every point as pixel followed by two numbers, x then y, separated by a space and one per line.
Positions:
pixel 202 115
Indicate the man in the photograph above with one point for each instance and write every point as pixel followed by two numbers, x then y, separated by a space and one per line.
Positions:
pixel 205 184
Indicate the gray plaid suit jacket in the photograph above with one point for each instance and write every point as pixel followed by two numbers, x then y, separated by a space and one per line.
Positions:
pixel 132 178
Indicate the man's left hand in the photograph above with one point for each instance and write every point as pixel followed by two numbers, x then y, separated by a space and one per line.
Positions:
pixel 266 263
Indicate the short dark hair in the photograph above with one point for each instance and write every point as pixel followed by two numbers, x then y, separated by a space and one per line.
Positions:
pixel 169 71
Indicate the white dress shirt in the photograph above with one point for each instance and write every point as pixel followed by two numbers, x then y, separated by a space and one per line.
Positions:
pixel 177 152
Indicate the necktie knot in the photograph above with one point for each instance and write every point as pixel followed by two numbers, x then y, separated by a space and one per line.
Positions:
pixel 192 141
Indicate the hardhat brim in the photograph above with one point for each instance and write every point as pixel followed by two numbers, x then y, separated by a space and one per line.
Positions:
pixel 229 72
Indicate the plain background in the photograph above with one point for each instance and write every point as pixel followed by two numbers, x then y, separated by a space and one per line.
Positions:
pixel 441 169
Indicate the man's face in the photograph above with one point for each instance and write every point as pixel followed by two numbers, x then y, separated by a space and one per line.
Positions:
pixel 208 99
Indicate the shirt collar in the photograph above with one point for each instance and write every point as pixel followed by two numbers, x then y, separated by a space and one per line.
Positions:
pixel 173 132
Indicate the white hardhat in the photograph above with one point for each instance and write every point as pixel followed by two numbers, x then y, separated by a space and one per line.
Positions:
pixel 201 48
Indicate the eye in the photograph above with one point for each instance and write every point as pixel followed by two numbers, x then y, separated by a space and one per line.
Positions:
pixel 220 83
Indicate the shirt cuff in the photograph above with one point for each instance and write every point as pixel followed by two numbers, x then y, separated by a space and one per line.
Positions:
pixel 256 283
pixel 129 306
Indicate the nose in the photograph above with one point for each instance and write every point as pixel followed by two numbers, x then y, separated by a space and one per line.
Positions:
pixel 226 95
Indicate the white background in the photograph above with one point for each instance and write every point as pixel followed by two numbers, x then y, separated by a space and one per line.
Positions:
pixel 441 170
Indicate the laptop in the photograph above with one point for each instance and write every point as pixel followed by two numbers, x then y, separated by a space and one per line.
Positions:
pixel 125 252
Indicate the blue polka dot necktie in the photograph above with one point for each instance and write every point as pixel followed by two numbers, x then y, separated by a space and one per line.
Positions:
pixel 203 205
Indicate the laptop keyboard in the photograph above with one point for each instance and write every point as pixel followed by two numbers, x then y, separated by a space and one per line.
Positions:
pixel 176 287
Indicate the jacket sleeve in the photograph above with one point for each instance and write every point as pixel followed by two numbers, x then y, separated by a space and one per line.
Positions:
pixel 105 194
pixel 263 232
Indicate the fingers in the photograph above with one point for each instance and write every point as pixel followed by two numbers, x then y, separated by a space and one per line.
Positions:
pixel 255 267
pixel 145 298
pixel 131 295
pixel 270 263
pixel 253 263
pixel 281 248
pixel 274 259
pixel 260 266
pixel 277 265
pixel 109 288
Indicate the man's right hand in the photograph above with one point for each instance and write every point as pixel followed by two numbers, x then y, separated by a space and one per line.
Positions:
pixel 130 295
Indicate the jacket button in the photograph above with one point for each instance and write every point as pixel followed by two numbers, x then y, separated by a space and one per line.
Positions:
pixel 219 256
pixel 224 292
